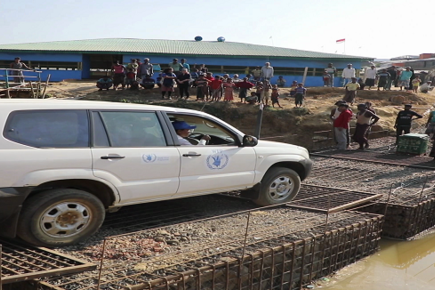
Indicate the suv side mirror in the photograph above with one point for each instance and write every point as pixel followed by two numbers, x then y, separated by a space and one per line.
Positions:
pixel 249 141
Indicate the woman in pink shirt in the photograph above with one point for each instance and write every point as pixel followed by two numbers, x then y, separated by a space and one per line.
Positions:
pixel 118 75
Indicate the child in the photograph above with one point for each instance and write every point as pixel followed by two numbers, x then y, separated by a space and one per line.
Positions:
pixel 201 84
pixel 130 77
pixel 159 80
pixel 293 88
pixel 326 78
pixel 280 82
pixel 216 86
pixel 266 93
pixel 207 89
pixel 228 90
pixel 148 82
pixel 252 100
pixel 244 86
pixel 104 83
pixel 300 92
pixel 361 84
pixel 351 89
pixel 259 89
pixel 275 96
pixel 134 85
pixel 415 84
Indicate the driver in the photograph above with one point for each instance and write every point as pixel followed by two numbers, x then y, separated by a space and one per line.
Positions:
pixel 183 131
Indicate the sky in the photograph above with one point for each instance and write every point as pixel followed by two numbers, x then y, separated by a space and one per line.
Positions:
pixel 372 28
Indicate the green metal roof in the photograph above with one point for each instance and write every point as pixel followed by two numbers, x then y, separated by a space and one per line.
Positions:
pixel 161 46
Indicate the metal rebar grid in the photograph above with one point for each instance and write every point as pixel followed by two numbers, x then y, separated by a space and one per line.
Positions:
pixel 343 173
pixel 201 255
pixel 321 198
pixel 329 199
pixel 412 214
pixel 149 215
pixel 324 140
pixel 20 264
pixel 422 162
pixel 407 187
pixel 402 221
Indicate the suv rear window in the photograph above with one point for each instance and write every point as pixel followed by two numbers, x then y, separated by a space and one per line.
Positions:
pixel 48 128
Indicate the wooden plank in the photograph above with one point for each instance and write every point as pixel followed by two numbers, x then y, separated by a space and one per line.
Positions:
pixel 48 273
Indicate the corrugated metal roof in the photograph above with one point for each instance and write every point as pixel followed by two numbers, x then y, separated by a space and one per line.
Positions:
pixel 177 47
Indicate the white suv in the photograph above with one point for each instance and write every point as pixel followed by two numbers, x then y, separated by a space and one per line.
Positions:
pixel 65 163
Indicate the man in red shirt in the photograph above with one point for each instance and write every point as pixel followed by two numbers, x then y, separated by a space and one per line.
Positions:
pixel 216 91
pixel 207 89
pixel 341 125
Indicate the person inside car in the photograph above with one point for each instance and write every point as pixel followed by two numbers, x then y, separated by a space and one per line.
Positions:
pixel 183 131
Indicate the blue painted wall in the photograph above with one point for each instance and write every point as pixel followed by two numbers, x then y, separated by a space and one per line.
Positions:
pixel 56 75
pixel 60 75
pixel 86 66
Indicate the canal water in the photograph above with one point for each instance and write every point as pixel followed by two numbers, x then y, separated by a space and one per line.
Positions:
pixel 399 265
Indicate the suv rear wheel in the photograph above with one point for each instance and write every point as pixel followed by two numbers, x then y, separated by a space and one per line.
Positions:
pixel 60 217
pixel 279 185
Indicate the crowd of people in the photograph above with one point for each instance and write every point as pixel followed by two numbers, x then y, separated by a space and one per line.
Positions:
pixel 254 88
pixel 404 79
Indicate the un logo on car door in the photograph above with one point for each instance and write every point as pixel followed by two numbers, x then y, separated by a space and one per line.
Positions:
pixel 217 160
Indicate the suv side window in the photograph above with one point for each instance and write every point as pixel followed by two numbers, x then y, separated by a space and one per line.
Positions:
pixel 49 128
pixel 218 134
pixel 133 129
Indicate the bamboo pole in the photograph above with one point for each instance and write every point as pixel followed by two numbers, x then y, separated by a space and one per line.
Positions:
pixel 31 89
pixel 46 85
pixel 305 75
pixel 38 86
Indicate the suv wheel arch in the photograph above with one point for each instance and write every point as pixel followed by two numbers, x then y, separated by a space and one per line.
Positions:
pixel 102 191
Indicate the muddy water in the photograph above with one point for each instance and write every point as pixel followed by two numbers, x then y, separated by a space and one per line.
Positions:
pixel 399 265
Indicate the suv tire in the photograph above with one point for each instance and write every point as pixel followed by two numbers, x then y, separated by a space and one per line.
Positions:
pixel 279 185
pixel 60 217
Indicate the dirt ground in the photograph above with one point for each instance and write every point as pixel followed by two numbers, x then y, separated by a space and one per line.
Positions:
pixel 294 125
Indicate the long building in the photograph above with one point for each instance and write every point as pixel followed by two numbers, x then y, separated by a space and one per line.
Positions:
pixel 87 59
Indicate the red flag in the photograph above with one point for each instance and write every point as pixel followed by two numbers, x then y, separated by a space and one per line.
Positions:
pixel 340 40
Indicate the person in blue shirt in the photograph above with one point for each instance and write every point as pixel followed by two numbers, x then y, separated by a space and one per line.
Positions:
pixel 148 83
pixel 184 64
pixel 168 82
pixel 405 77
pixel 104 83
pixel 194 75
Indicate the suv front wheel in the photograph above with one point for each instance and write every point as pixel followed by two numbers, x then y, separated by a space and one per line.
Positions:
pixel 60 217
pixel 279 185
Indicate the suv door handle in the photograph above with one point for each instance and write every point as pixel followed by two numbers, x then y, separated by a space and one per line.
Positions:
pixel 112 157
pixel 191 155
